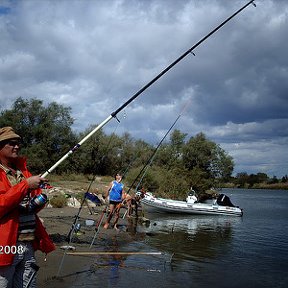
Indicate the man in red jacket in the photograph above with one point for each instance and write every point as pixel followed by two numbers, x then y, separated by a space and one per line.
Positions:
pixel 21 231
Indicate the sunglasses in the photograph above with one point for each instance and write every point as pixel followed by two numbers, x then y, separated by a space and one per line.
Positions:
pixel 13 143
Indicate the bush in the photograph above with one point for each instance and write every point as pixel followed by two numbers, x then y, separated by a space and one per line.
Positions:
pixel 58 201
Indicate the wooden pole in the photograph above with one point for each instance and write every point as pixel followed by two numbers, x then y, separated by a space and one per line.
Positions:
pixel 92 253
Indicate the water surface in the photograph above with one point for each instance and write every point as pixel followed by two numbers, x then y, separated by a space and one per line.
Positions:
pixel 204 251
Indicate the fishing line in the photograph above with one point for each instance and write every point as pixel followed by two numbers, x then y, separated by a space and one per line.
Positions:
pixel 150 160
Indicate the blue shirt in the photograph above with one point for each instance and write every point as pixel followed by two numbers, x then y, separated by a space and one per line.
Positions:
pixel 116 192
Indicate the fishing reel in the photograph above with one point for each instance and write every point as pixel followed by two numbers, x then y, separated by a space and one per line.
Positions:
pixel 37 202
pixel 34 204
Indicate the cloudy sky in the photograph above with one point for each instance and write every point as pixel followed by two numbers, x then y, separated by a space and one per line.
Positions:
pixel 93 55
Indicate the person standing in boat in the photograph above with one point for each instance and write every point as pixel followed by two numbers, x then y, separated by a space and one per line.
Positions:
pixel 115 192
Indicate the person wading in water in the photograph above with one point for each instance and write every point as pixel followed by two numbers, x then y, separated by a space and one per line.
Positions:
pixel 115 192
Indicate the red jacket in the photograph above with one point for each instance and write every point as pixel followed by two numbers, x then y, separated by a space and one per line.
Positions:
pixel 10 198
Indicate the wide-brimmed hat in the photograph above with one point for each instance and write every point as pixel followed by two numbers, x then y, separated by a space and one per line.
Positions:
pixel 7 133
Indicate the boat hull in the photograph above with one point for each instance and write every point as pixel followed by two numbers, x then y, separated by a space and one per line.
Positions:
pixel 182 207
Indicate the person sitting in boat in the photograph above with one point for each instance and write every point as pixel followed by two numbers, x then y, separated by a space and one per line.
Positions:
pixel 116 193
pixel 191 197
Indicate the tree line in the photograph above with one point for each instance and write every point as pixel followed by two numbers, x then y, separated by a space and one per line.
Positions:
pixel 259 180
pixel 179 164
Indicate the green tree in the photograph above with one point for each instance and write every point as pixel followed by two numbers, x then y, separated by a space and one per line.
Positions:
pixel 206 162
pixel 273 180
pixel 177 166
pixel 170 154
pixel 262 177
pixel 198 153
pixel 221 165
pixel 241 179
pixel 46 131
pixel 199 180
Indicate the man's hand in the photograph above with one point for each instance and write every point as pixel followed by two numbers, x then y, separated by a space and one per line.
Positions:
pixel 35 181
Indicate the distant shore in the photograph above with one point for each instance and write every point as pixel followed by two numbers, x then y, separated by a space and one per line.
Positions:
pixel 274 186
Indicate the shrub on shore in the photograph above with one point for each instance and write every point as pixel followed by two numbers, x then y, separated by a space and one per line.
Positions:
pixel 58 201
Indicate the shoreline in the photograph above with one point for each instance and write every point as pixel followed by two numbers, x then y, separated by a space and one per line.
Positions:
pixel 56 272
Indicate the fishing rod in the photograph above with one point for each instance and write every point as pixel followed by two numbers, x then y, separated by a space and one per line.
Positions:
pixel 153 154
pixel 149 162
pixel 89 253
pixel 114 114
pixel 74 227
pixel 98 225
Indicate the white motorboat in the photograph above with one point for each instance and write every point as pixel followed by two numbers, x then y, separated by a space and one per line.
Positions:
pixel 220 206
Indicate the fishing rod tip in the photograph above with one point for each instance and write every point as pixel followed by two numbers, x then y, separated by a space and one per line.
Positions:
pixel 115 116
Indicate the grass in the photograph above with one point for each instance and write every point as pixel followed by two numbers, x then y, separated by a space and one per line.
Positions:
pixel 81 182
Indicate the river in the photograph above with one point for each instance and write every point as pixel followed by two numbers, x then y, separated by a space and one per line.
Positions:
pixel 206 251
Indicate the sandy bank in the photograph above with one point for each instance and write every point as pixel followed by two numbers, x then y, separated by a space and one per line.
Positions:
pixel 58 223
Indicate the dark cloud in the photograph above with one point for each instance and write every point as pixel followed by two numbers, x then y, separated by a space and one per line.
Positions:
pixel 94 55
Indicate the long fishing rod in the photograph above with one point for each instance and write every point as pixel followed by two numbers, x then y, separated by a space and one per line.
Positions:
pixel 153 154
pixel 98 225
pixel 114 114
pixel 149 162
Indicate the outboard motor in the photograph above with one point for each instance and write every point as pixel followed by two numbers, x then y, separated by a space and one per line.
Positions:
pixel 224 200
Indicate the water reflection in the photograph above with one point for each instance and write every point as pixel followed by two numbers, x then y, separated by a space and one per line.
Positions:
pixel 112 263
pixel 191 238
pixel 191 247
